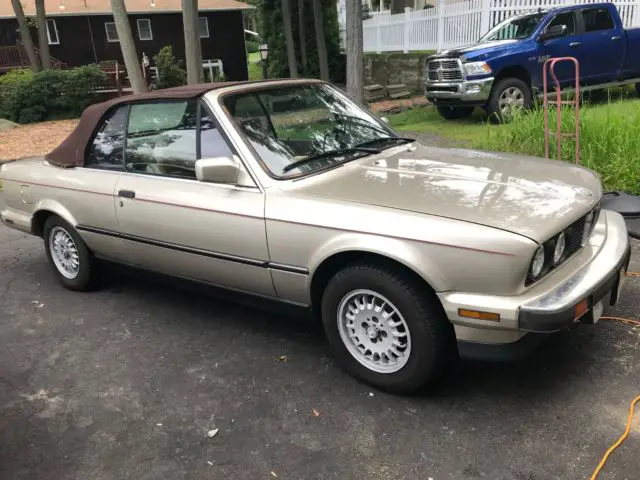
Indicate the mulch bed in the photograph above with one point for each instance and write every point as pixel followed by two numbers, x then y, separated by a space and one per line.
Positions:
pixel 397 106
pixel 33 140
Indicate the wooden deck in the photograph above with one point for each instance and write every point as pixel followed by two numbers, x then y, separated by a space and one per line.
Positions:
pixel 12 58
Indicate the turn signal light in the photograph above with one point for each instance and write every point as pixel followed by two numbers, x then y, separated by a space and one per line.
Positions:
pixel 493 317
pixel 581 309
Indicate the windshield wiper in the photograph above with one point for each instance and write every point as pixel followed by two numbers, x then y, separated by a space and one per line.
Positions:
pixel 399 140
pixel 329 153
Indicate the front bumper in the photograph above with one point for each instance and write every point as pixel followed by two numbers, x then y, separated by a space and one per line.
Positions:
pixel 466 92
pixel 550 304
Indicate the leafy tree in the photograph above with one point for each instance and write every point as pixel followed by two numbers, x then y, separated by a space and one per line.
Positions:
pixel 192 46
pixel 272 34
pixel 355 60
pixel 43 40
pixel 169 73
pixel 128 47
pixel 25 35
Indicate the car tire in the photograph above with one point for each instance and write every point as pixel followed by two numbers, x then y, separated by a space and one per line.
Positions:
pixel 505 92
pixel 425 337
pixel 454 113
pixel 68 255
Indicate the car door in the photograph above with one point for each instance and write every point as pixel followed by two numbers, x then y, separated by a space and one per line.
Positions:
pixel 91 199
pixel 568 45
pixel 174 224
pixel 604 44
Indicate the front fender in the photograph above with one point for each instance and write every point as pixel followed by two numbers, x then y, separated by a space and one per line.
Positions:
pixel 404 252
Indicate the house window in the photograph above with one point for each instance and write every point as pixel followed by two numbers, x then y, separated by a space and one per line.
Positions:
pixel 112 33
pixel 144 29
pixel 203 27
pixel 52 32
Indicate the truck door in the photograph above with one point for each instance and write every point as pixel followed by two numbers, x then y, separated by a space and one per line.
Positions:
pixel 604 42
pixel 568 45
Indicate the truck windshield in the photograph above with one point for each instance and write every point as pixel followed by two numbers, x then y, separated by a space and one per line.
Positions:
pixel 516 28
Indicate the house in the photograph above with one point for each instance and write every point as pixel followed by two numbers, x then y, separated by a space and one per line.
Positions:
pixel 81 32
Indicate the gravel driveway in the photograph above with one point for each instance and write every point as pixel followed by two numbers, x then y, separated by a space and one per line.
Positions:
pixel 125 383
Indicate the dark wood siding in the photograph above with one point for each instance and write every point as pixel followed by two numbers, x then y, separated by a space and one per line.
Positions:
pixel 8 32
pixel 226 42
pixel 79 47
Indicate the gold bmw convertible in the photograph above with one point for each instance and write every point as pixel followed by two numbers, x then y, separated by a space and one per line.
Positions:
pixel 411 255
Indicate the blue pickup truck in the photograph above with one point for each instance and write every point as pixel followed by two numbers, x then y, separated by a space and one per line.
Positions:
pixel 503 70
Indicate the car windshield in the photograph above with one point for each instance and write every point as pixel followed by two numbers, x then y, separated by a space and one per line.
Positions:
pixel 305 128
pixel 517 28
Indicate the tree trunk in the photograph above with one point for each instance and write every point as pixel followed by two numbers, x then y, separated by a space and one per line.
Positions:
pixel 303 40
pixel 25 35
pixel 43 39
pixel 192 51
pixel 318 22
pixel 131 60
pixel 355 58
pixel 288 37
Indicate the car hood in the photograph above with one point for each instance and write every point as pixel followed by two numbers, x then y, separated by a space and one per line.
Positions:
pixel 475 50
pixel 529 196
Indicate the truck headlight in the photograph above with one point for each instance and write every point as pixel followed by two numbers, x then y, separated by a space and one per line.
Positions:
pixel 477 68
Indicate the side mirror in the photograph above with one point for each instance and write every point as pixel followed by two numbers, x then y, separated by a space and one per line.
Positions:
pixel 553 32
pixel 218 170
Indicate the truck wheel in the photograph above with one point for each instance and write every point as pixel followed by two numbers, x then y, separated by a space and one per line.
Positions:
pixel 385 328
pixel 68 255
pixel 596 96
pixel 638 88
pixel 508 96
pixel 454 113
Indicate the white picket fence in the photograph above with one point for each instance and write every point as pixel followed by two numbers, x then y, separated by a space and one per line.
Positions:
pixel 449 25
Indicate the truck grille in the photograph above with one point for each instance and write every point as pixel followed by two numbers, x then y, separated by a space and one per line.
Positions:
pixel 443 71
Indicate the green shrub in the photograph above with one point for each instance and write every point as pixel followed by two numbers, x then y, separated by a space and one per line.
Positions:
pixel 252 46
pixel 12 77
pixel 169 73
pixel 48 95
pixel 609 140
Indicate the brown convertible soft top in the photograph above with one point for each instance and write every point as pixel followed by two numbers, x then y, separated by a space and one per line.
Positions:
pixel 70 153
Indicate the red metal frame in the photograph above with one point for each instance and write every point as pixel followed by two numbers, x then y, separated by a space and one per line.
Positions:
pixel 551 62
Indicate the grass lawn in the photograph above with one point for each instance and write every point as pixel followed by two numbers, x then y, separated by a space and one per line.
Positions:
pixel 253 63
pixel 426 119
pixel 609 137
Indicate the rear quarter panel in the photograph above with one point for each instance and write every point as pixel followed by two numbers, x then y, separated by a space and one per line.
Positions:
pixel 78 195
pixel 447 254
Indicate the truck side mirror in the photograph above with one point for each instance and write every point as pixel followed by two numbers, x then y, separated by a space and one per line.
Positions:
pixel 553 32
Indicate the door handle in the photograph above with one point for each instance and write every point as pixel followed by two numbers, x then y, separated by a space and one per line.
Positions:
pixel 617 37
pixel 127 193
pixel 574 44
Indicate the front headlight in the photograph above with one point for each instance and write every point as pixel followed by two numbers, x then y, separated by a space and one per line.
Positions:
pixel 477 68
pixel 537 263
pixel 558 250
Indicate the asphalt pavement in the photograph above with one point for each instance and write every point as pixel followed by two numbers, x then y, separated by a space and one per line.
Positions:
pixel 126 383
